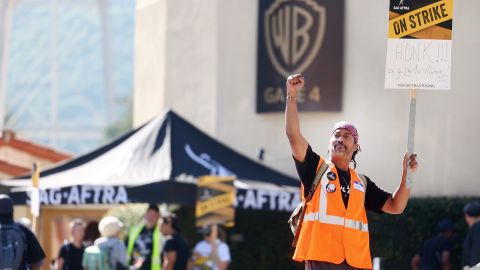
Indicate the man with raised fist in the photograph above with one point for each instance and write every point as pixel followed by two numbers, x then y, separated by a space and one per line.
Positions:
pixel 334 230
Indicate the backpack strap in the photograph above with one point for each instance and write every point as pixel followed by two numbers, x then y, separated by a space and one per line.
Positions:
pixel 323 168
pixel 18 226
pixel 299 213
pixel 14 232
pixel 363 178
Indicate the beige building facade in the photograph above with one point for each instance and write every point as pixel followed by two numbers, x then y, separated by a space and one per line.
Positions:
pixel 199 58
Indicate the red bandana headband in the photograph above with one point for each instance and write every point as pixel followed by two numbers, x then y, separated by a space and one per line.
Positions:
pixel 348 126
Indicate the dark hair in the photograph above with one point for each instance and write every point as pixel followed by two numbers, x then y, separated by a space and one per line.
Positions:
pixel 445 225
pixel 353 157
pixel 472 209
pixel 6 217
pixel 172 220
pixel 6 205
pixel 221 234
pixel 153 207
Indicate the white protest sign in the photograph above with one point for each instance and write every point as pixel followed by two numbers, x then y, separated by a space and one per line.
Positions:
pixel 419 45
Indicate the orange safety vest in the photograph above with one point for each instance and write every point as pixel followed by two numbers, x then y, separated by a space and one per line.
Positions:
pixel 331 233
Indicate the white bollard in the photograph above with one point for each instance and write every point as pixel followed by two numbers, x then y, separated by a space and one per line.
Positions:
pixel 376 263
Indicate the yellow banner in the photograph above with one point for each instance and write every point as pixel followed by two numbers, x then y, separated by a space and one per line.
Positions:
pixel 35 175
pixel 225 216
pixel 420 19
pixel 207 180
pixel 223 187
pixel 433 32
pixel 215 203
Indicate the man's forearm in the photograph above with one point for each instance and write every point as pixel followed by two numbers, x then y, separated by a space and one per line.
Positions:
pixel 397 203
pixel 216 259
pixel 298 144
pixel 401 196
pixel 292 120
pixel 214 254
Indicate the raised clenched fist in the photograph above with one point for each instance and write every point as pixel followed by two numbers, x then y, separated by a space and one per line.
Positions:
pixel 294 84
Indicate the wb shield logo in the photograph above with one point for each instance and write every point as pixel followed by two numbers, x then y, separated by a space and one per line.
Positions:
pixel 300 36
pixel 294 33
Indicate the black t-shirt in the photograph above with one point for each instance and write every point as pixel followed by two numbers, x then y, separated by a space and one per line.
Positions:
pixel 176 243
pixel 34 252
pixel 143 247
pixel 471 246
pixel 375 197
pixel 72 256
pixel 431 252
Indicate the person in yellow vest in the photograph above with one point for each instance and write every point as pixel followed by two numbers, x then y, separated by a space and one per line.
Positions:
pixel 144 242
pixel 334 232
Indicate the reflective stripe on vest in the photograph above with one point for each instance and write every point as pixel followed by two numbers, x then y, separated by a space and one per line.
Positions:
pixel 332 232
pixel 334 220
pixel 156 249
pixel 132 237
pixel 322 216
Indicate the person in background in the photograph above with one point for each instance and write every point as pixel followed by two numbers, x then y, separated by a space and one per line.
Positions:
pixel 212 253
pixel 91 233
pixel 175 253
pixel 143 242
pixel 71 253
pixel 435 252
pixel 108 252
pixel 26 252
pixel 471 244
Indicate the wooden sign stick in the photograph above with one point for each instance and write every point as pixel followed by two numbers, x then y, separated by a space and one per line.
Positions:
pixel 411 132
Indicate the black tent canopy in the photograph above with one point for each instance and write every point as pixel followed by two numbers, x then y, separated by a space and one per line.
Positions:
pixel 159 162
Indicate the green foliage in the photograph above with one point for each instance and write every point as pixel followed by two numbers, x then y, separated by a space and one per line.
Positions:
pixel 394 238
pixel 129 214
pixel 266 239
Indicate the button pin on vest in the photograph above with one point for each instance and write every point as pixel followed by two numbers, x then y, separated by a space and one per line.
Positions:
pixel 331 188
pixel 331 176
